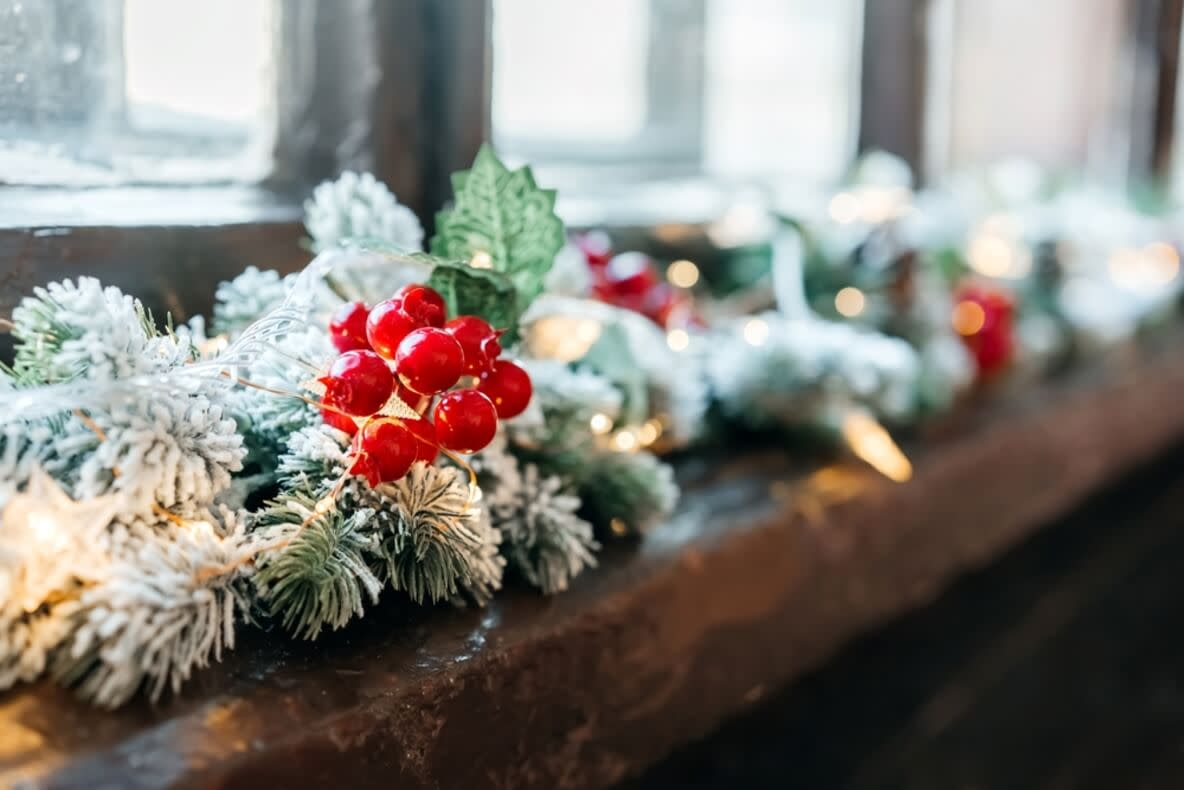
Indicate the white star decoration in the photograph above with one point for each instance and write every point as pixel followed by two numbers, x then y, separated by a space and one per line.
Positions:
pixel 44 536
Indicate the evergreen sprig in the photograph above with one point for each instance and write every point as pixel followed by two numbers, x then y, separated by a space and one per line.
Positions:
pixel 318 576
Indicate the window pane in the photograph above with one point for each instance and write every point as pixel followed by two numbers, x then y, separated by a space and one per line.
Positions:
pixel 1045 80
pixel 738 89
pixel 570 72
pixel 781 92
pixel 102 92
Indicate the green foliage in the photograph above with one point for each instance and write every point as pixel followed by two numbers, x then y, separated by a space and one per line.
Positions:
pixel 469 291
pixel 635 490
pixel 433 542
pixel 504 214
pixel 320 577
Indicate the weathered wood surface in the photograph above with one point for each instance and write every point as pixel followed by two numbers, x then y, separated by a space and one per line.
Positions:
pixel 1058 666
pixel 765 571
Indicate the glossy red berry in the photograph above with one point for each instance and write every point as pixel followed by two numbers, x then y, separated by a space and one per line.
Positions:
pixel 597 248
pixel 426 447
pixel 478 340
pixel 466 421
pixel 984 317
pixel 631 274
pixel 509 387
pixel 387 326
pixel 347 327
pixel 422 304
pixel 341 422
pixel 358 383
pixel 429 360
pixel 383 451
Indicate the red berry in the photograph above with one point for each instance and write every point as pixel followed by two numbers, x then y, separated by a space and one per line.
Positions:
pixel 358 383
pixel 466 421
pixel 429 360
pixel 387 326
pixel 631 274
pixel 509 387
pixel 384 451
pixel 422 304
pixel 341 422
pixel 984 317
pixel 347 327
pixel 597 248
pixel 426 447
pixel 478 341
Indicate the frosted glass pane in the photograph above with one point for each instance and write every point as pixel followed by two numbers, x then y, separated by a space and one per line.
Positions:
pixel 1045 80
pixel 570 71
pixel 103 92
pixel 781 87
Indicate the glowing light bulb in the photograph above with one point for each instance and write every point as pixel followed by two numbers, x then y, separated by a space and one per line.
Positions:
pixel 678 339
pixel 649 432
pixel 756 332
pixel 481 260
pixel 968 318
pixel 683 274
pixel 844 208
pixel 850 302
pixel 871 443
pixel 600 424
pixel 625 441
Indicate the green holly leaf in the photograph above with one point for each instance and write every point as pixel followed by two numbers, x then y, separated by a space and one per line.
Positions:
pixel 505 215
pixel 480 292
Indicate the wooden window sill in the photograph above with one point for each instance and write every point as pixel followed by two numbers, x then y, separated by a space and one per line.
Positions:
pixel 765 571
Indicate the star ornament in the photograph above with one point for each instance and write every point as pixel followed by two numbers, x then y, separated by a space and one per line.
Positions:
pixel 41 528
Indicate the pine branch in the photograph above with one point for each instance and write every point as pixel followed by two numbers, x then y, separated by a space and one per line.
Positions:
pixel 317 576
pixel 358 207
pixel 543 538
pixel 247 298
pixel 628 492
pixel 67 331
pixel 169 448
pixel 166 607
pixel 435 541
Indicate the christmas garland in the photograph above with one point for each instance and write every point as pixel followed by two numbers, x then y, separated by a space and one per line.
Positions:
pixel 437 423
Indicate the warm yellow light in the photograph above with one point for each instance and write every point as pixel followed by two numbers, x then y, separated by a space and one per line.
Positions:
pixel 212 346
pixel 870 442
pixel 625 441
pixel 968 318
pixel 562 337
pixel 678 339
pixel 844 208
pixel 683 274
pixel 43 526
pixel 649 432
pixel 600 424
pixel 756 332
pixel 878 204
pixel 618 527
pixel 481 260
pixel 850 302
pixel 990 256
pixel 1150 268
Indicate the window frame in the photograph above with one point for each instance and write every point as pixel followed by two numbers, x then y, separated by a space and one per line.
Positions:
pixel 410 105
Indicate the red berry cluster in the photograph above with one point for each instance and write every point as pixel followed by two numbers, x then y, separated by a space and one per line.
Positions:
pixel 631 280
pixel 404 347
pixel 985 318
